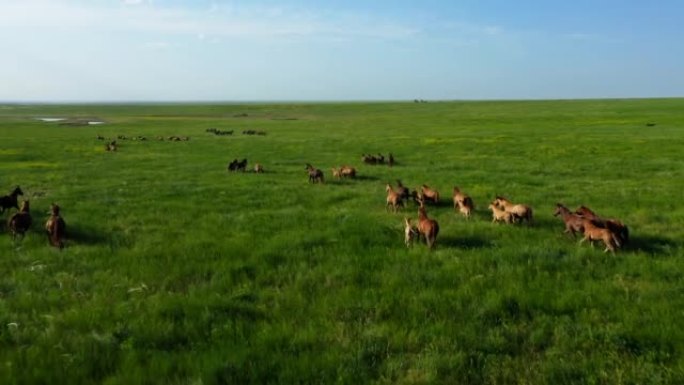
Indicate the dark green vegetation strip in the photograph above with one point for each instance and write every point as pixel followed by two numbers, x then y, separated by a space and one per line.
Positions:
pixel 177 271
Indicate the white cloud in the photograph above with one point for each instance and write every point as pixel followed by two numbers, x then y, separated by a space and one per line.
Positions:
pixel 214 21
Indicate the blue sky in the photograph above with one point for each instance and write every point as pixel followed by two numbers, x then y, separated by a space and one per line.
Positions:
pixel 172 50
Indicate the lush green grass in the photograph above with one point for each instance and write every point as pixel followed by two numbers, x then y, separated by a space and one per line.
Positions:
pixel 179 272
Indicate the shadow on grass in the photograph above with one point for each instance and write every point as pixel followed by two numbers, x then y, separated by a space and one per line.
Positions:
pixel 366 178
pixel 652 244
pixel 467 242
pixel 85 235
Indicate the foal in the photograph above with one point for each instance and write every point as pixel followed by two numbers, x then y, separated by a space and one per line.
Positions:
pixel 9 201
pixel 593 232
pixel 500 215
pixel 463 202
pixel 617 227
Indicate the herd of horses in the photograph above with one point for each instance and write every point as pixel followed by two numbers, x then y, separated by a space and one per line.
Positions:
pixel 20 222
pixel 612 232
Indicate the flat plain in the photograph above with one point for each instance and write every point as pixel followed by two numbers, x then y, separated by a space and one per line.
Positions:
pixel 177 271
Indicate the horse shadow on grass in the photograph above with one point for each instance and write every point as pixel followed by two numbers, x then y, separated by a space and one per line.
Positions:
pixel 366 178
pixel 85 235
pixel 464 242
pixel 652 244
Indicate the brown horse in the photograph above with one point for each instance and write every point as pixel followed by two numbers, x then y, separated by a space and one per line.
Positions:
pixel 55 227
pixel 369 159
pixel 593 232
pixel 258 168
pixel 427 228
pixel 573 221
pixel 463 203
pixel 521 212
pixel 403 191
pixel 9 201
pixel 429 195
pixel 617 227
pixel 393 198
pixel 348 172
pixel 20 222
pixel 315 175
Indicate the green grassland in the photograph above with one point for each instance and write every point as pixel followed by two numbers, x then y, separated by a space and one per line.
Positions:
pixel 179 272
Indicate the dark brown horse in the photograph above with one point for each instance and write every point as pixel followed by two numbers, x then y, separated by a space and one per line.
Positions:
pixel 402 190
pixel 9 201
pixel 573 221
pixel 20 222
pixel 315 175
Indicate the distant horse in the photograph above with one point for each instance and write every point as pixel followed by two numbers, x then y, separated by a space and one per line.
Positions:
pixel 573 221
pixel 55 227
pixel 348 172
pixel 258 168
pixel 369 159
pixel 20 222
pixel 242 165
pixel 232 166
pixel 403 191
pixel 9 201
pixel 315 175
pixel 429 195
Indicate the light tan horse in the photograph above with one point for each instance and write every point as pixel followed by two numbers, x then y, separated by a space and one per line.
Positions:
pixel 393 198
pixel 521 211
pixel 348 172
pixel 410 232
pixel 500 215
